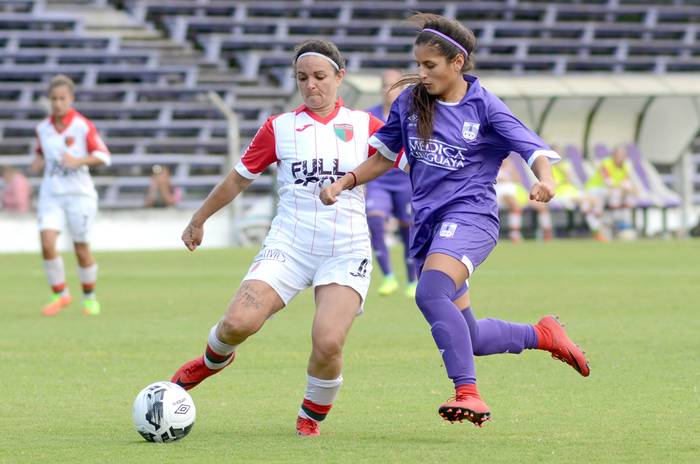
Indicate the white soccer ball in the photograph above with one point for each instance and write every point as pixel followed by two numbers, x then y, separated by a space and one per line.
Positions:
pixel 163 412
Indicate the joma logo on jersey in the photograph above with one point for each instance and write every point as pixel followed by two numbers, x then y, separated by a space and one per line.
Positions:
pixel 437 153
pixel 314 171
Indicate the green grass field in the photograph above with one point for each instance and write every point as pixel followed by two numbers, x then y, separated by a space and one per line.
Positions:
pixel 68 382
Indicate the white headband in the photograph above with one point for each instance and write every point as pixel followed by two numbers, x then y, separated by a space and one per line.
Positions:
pixel 335 65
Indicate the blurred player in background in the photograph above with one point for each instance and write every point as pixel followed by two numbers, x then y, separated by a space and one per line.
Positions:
pixel 512 196
pixel 455 135
pixel 611 186
pixel 570 193
pixel 309 244
pixel 68 145
pixel 390 195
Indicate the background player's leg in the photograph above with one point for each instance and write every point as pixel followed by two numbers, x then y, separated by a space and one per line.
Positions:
pixel 87 271
pixel 402 210
pixel 55 273
pixel 336 308
pixel 253 304
pixel 515 218
pixel 378 203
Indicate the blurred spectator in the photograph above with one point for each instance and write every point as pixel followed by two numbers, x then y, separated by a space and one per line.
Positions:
pixel 512 196
pixel 611 186
pixel 572 196
pixel 17 194
pixel 161 193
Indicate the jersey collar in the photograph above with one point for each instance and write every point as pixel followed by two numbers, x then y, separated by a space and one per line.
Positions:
pixel 65 120
pixel 303 108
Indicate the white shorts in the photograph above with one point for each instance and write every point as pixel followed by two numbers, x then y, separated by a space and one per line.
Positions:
pixel 78 211
pixel 505 189
pixel 289 271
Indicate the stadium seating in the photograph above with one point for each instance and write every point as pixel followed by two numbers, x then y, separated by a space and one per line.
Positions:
pixel 145 84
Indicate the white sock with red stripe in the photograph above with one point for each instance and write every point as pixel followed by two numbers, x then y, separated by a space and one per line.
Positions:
pixel 56 275
pixel 88 278
pixel 218 354
pixel 319 397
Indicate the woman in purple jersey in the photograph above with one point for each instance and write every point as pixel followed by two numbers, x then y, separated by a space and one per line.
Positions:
pixel 455 135
pixel 390 195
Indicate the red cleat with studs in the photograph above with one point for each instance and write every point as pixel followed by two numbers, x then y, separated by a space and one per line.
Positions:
pixel 553 338
pixel 466 405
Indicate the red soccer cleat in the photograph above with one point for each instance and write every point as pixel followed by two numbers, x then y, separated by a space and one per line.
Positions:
pixel 307 427
pixel 552 337
pixel 57 303
pixel 466 404
pixel 193 372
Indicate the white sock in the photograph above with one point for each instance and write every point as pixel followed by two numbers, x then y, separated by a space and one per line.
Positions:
pixel 219 349
pixel 55 273
pixel 319 397
pixel 515 221
pixel 545 220
pixel 593 221
pixel 88 278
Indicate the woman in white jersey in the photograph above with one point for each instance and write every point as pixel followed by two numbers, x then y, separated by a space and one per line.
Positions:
pixel 68 144
pixel 309 244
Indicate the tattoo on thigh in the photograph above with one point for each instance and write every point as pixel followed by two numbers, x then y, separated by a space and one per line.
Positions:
pixel 248 297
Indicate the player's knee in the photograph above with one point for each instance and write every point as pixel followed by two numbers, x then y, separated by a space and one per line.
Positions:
pixel 327 347
pixel 433 285
pixel 236 326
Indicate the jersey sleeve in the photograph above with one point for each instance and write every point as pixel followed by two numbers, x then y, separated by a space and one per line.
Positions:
pixel 96 146
pixel 388 139
pixel 260 153
pixel 402 163
pixel 517 136
pixel 374 125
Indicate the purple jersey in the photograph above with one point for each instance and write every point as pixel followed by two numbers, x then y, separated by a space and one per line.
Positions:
pixel 395 180
pixel 453 173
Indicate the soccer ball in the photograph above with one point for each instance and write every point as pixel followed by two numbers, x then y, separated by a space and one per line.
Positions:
pixel 163 412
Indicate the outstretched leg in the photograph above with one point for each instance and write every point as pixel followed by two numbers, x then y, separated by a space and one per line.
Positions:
pixel 254 303
pixel 495 336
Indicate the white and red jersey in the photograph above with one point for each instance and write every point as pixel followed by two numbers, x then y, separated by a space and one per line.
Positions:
pixel 80 139
pixel 312 152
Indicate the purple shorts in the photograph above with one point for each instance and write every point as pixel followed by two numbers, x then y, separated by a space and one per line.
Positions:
pixel 395 203
pixel 464 241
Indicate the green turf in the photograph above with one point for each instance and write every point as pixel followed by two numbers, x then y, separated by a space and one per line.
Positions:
pixel 68 382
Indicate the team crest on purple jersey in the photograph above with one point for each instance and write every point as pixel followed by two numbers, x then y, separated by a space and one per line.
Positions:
pixel 470 130
pixel 343 131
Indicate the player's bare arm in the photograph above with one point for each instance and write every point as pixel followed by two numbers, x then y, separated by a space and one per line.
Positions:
pixel 543 190
pixel 365 172
pixel 224 192
pixel 73 162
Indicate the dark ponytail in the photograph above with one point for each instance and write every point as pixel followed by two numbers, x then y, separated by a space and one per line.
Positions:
pixel 423 103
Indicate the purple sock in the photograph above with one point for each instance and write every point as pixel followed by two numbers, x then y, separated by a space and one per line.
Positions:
pixel 450 331
pixel 493 336
pixel 410 262
pixel 376 231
